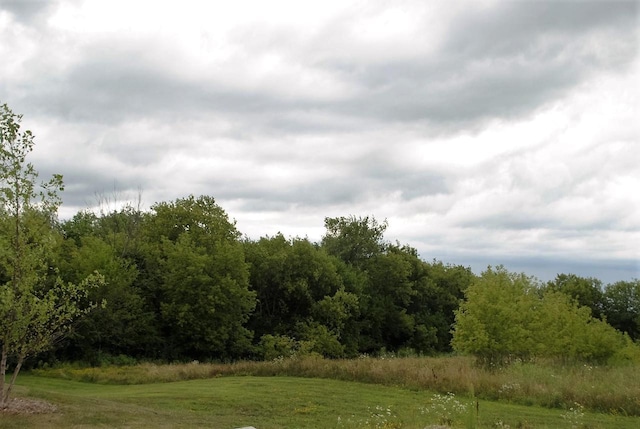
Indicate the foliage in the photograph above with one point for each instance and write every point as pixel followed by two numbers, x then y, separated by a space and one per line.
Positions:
pixel 354 239
pixel 36 305
pixel 277 347
pixel 505 317
pixel 622 307
pixel 496 319
pixel 183 284
pixel 587 292
pixel 201 280
pixel 289 278
pixel 126 326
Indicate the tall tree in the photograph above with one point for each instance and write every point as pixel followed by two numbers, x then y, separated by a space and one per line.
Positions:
pixel 586 291
pixel 126 326
pixel 289 277
pixel 622 307
pixel 439 290
pixel 195 270
pixel 35 309
pixel 354 239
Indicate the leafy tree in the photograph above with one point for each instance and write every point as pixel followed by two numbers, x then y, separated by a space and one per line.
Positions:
pixel 317 338
pixel 289 277
pixel 565 330
pixel 439 290
pixel 404 302
pixel 384 303
pixel 36 306
pixel 194 265
pixel 127 326
pixel 494 322
pixel 622 307
pixel 505 316
pixel 586 291
pixel 354 239
pixel 298 287
pixel 339 313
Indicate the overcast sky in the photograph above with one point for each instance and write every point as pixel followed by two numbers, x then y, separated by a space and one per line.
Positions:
pixel 486 132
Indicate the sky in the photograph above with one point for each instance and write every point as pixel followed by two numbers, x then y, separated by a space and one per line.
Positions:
pixel 484 132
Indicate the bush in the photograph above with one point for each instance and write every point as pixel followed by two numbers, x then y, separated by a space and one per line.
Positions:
pixel 277 346
pixel 506 317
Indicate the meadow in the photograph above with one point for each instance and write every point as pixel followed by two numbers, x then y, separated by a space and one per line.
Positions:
pixel 319 393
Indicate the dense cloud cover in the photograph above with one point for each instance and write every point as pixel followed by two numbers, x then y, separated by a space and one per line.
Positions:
pixel 485 132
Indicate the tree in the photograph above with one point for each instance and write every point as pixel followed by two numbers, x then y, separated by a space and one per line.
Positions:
pixel 565 330
pixel 195 267
pixel 622 307
pixel 36 306
pixel 289 277
pixel 354 239
pixel 494 322
pixel 387 296
pixel 439 289
pixel 299 294
pixel 506 316
pixel 126 326
pixel 586 291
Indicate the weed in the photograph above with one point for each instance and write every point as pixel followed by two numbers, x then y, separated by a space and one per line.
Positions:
pixel 446 408
pixel 574 415
pixel 379 418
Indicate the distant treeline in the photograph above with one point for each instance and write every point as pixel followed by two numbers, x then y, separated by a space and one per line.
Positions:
pixel 182 283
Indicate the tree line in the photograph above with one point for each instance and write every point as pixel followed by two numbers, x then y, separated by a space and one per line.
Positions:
pixel 180 282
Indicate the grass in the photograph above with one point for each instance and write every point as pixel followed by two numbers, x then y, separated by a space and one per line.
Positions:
pixel 612 390
pixel 268 403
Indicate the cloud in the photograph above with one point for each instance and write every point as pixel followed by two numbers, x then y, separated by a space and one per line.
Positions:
pixel 494 128
pixel 29 11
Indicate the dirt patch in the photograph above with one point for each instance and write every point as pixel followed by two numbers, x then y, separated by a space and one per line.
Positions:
pixel 28 406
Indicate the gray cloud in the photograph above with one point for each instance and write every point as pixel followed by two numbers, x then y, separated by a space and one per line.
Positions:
pixel 503 62
pixel 27 11
pixel 516 28
pixel 502 129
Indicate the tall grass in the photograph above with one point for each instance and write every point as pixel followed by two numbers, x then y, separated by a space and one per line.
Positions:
pixel 606 389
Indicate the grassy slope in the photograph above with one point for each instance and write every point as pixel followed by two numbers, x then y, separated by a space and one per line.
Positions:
pixel 263 402
pixel 603 389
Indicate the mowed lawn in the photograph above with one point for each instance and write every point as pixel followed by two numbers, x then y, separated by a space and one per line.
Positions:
pixel 266 403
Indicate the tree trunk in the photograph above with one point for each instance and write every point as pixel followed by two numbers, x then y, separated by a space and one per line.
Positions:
pixel 13 377
pixel 3 371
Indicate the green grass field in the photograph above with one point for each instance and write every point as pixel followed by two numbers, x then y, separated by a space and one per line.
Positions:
pixel 269 402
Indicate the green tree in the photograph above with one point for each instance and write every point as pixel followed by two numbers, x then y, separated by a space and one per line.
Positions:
pixel 494 322
pixel 439 289
pixel 507 315
pixel 298 287
pixel 195 270
pixel 586 291
pixel 36 306
pixel 354 239
pixel 565 330
pixel 127 326
pixel 339 313
pixel 388 294
pixel 622 307
pixel 403 301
